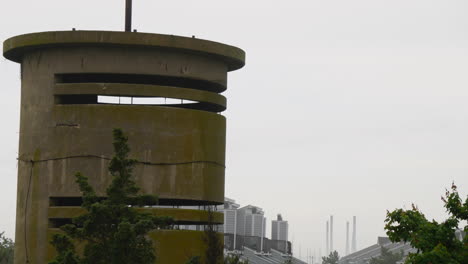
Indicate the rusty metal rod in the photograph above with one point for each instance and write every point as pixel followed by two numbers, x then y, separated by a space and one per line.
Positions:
pixel 128 15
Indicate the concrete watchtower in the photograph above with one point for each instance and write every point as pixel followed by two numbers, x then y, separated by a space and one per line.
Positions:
pixel 65 127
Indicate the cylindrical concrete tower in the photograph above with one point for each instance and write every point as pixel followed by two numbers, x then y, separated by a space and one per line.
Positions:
pixel 66 127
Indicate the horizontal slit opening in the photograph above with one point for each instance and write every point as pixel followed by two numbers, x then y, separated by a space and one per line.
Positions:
pixel 65 201
pixel 77 201
pixel 201 227
pixel 79 99
pixel 139 79
pixel 58 222
pixel 181 225
pixel 76 99
pixel 107 99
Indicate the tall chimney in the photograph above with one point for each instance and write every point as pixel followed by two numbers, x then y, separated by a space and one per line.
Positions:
pixel 327 242
pixel 331 233
pixel 347 237
pixel 353 245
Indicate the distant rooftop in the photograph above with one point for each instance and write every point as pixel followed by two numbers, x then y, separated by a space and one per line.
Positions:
pixel 253 208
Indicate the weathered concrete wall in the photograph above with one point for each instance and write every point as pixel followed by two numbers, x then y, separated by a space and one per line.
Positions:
pixel 184 149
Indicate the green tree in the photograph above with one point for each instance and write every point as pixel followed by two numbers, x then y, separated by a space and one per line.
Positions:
pixel 234 259
pixel 332 258
pixel 435 242
pixel 214 246
pixel 7 249
pixel 194 260
pixel 386 257
pixel 213 242
pixel 112 230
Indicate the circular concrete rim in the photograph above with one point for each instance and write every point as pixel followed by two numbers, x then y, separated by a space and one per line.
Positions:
pixel 14 48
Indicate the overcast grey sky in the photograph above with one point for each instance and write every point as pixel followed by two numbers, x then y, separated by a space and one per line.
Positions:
pixel 345 107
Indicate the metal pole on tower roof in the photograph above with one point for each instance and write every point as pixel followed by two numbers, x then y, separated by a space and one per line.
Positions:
pixel 128 16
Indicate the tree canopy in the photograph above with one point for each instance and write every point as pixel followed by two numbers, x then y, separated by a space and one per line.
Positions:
pixel 386 257
pixel 112 230
pixel 435 242
pixel 7 251
pixel 235 259
pixel 332 258
pixel 213 242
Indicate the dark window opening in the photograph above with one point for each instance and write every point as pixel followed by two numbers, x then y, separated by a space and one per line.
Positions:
pixel 77 201
pixel 65 201
pixel 76 99
pixel 58 222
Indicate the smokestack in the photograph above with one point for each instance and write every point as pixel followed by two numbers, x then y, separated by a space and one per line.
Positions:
pixel 328 243
pixel 347 237
pixel 263 234
pixel 331 233
pixel 353 245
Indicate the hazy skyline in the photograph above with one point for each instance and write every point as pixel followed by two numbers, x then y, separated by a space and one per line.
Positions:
pixel 343 108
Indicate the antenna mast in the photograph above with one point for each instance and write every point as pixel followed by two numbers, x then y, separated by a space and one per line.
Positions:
pixel 128 15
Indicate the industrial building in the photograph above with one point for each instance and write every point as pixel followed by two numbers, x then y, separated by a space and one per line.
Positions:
pixel 363 256
pixel 275 257
pixel 244 234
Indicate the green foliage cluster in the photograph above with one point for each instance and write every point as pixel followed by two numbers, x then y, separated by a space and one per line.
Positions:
pixel 112 230
pixel 214 249
pixel 386 257
pixel 194 260
pixel 231 259
pixel 234 259
pixel 213 242
pixel 332 258
pixel 7 249
pixel 435 242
